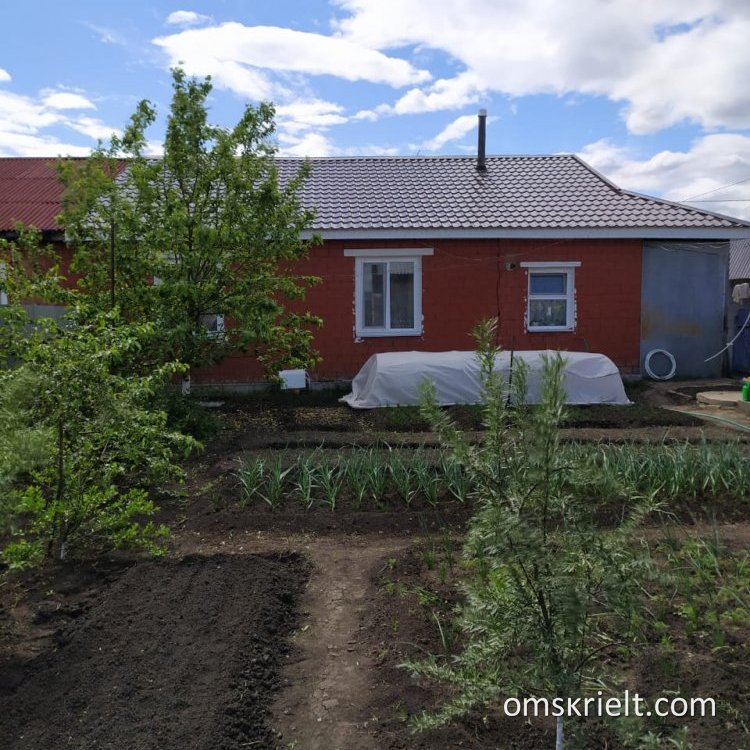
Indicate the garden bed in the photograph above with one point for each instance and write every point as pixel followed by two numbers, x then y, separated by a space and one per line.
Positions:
pixel 161 654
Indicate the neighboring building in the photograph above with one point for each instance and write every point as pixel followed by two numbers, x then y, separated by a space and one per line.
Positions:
pixel 739 307
pixel 418 249
pixel 30 193
pixel 739 261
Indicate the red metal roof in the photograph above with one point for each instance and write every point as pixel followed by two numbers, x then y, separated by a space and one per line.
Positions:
pixel 29 192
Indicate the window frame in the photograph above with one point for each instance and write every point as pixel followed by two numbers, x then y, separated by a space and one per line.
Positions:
pixel 387 256
pixel 214 335
pixel 3 292
pixel 553 267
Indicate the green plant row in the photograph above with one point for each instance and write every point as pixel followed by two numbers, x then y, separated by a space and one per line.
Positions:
pixel 362 475
pixel 668 472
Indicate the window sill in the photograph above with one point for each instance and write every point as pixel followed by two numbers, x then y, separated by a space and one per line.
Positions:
pixel 550 329
pixel 369 334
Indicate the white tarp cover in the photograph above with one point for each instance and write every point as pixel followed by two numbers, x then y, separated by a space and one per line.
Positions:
pixel 393 379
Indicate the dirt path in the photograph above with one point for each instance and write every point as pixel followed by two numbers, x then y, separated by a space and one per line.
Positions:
pixel 326 704
pixel 327 700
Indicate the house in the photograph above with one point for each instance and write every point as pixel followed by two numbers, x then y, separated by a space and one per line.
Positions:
pixel 30 193
pixel 418 249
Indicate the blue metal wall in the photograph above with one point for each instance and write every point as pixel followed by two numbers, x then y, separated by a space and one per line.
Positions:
pixel 683 304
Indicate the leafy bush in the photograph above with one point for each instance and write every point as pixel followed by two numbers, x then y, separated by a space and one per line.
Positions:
pixel 24 445
pixel 105 448
pixel 185 413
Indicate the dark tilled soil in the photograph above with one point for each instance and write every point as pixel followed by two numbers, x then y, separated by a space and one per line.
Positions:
pixel 173 655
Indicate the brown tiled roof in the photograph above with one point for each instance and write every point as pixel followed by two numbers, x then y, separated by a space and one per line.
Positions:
pixel 423 194
pixel 739 260
pixel 515 193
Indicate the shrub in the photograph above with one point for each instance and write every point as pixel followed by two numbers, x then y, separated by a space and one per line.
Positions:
pixel 105 449
pixel 548 593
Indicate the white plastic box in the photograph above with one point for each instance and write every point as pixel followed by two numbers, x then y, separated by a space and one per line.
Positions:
pixel 293 379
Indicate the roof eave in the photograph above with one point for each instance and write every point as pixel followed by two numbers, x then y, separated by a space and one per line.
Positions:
pixel 643 233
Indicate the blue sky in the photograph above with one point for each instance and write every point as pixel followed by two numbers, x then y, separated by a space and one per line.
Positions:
pixel 653 93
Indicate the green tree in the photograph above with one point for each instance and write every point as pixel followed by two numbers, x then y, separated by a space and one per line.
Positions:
pixel 550 592
pixel 102 447
pixel 203 232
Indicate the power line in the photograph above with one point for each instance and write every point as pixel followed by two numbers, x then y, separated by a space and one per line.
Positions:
pixel 708 192
pixel 719 200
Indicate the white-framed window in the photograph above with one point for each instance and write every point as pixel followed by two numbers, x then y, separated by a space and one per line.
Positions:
pixel 551 296
pixel 214 325
pixel 388 291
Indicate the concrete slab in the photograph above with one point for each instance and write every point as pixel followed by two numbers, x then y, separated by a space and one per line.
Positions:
pixel 725 399
pixel 744 406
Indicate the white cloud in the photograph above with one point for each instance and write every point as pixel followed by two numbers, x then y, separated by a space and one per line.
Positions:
pixel 107 35
pixel 705 175
pixel 305 115
pixel 446 93
pixel 187 18
pixel 19 144
pixel 319 144
pixel 65 100
pixel 454 131
pixel 25 124
pixel 21 114
pixel 443 94
pixel 310 144
pixel 93 128
pixel 666 61
pixel 4 75
pixel 234 55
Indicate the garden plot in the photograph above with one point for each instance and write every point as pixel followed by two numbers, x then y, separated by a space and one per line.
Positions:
pixel 169 655
pixel 191 652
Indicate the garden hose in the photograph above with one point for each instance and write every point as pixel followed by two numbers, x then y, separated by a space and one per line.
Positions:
pixel 738 425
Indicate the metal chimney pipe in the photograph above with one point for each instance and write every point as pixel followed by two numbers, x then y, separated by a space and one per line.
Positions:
pixel 481 161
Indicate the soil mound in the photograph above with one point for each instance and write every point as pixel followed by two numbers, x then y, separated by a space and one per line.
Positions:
pixel 171 655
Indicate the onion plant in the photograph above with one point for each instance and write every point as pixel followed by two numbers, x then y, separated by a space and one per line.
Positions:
pixel 356 469
pixel 331 477
pixel 377 477
pixel 251 475
pixel 456 478
pixel 403 479
pixel 306 479
pixel 273 489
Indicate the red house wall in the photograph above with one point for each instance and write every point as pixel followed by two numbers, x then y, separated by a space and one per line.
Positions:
pixel 463 282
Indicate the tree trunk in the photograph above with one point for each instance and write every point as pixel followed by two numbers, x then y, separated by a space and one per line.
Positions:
pixel 60 461
pixel 559 739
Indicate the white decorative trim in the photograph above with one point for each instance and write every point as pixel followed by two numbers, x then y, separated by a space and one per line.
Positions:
pixel 410 252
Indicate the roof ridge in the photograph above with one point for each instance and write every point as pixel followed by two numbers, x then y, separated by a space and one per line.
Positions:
pixel 685 207
pixel 597 173
pixel 414 157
